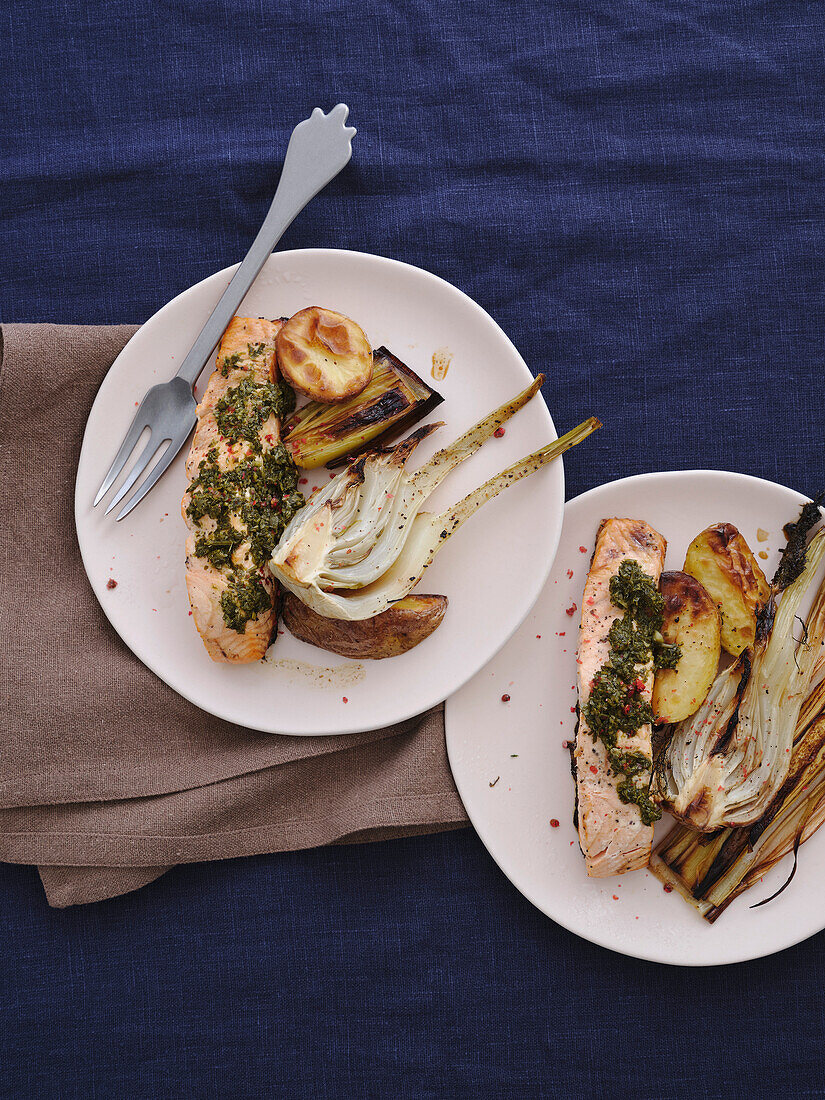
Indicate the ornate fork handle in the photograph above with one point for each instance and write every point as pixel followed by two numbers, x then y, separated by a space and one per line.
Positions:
pixel 318 149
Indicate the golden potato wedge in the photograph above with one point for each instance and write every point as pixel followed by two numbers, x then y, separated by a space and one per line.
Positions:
pixel 692 622
pixel 389 634
pixel 721 560
pixel 324 355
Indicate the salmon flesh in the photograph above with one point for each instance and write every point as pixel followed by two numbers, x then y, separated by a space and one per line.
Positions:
pixel 612 835
pixel 246 351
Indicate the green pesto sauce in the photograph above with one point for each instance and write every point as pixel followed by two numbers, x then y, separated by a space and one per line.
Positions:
pixel 245 599
pixel 255 500
pixel 229 363
pixel 252 502
pixel 261 492
pixel 244 408
pixel 616 704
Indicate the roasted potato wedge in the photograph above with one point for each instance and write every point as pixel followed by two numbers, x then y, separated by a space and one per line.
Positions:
pixel 721 560
pixel 324 355
pixel 691 621
pixel 394 631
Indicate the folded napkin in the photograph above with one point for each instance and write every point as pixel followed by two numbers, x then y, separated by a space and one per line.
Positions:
pixel 107 777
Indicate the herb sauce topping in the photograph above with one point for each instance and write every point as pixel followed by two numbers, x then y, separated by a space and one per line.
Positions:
pixel 245 408
pixel 616 704
pixel 245 598
pixel 251 502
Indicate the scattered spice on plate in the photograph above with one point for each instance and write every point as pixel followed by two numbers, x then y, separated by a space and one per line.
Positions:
pixel 571 610
pixel 498 433
pixel 582 549
pixel 505 698
pixel 345 699
pixel 554 823
pixel 111 583
pixel 668 889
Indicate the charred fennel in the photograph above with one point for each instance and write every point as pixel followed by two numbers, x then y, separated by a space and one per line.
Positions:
pixel 725 763
pixel 710 872
pixel 364 542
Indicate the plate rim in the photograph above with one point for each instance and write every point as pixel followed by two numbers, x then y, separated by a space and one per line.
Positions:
pixel 606 942
pixel 417 272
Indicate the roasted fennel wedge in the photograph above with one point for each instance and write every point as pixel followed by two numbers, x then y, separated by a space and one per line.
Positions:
pixel 724 764
pixel 710 872
pixel 364 542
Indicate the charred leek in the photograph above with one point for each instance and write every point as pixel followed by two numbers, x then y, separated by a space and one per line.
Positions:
pixel 363 542
pixel 395 398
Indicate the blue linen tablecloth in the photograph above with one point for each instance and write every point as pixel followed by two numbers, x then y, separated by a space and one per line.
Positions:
pixel 634 190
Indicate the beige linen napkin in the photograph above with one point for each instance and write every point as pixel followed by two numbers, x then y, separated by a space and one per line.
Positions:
pixel 107 777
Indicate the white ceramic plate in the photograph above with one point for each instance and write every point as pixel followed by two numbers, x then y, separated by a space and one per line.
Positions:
pixel 518 745
pixel 491 573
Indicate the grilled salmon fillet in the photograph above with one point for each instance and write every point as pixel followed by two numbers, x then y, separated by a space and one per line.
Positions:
pixel 612 835
pixel 246 352
pixel 234 363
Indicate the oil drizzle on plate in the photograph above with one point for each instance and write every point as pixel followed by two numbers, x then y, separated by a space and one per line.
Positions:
pixel 442 357
pixel 336 677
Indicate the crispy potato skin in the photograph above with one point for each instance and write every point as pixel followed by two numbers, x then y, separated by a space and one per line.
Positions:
pixel 324 355
pixel 389 634
pixel 721 560
pixel 692 622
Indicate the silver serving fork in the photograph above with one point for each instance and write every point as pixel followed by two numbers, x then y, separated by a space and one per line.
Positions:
pixel 319 147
